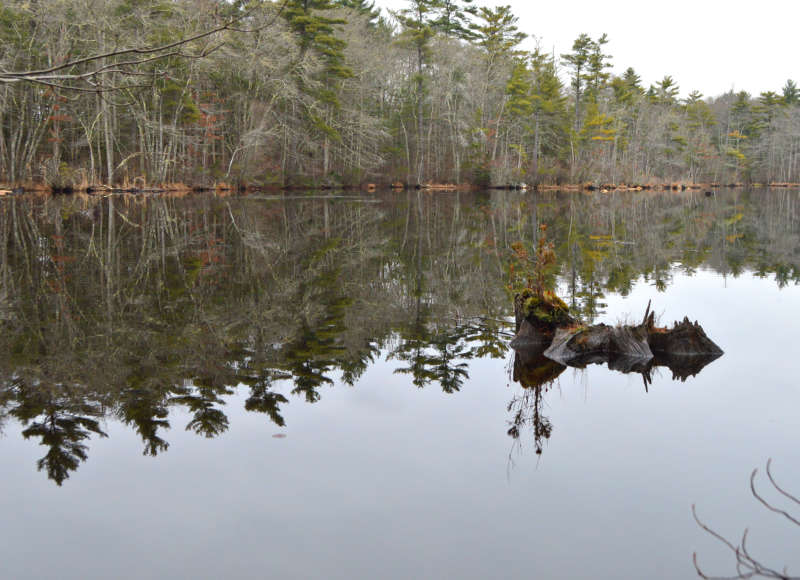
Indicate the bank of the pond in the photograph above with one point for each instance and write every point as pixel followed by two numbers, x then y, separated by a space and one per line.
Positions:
pixel 226 188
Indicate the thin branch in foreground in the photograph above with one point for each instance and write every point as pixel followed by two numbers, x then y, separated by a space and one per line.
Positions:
pixel 765 503
pixel 748 566
pixel 777 487
pixel 53 78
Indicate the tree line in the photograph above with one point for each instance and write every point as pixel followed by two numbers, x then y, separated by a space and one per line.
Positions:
pixel 332 92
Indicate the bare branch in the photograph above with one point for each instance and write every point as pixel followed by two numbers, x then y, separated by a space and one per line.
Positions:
pixel 726 542
pixel 95 57
pixel 766 504
pixel 746 565
pixel 776 486
pixel 50 76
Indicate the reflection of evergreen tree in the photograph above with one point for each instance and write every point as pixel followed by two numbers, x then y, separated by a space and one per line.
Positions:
pixel 621 278
pixel 207 420
pixel 356 361
pixel 262 400
pixel 146 410
pixel 61 423
pixel 659 275
pixel 786 273
pixel 412 350
pixel 490 335
pixel 433 357
pixel 308 372
pixel 447 371
pixel 314 354
pixel 430 356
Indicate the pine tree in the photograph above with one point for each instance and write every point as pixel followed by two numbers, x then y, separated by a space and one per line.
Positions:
pixel 318 33
pixel 700 119
pixel 665 92
pixel 596 74
pixel 497 35
pixel 549 107
pixel 496 32
pixel 578 60
pixel 421 20
pixel 627 88
pixel 633 80
pixel 741 130
pixel 453 19
pixel 791 94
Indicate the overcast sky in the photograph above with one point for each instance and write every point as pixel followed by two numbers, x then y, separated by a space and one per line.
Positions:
pixel 707 45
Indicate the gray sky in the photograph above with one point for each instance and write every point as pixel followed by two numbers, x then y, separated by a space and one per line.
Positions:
pixel 710 46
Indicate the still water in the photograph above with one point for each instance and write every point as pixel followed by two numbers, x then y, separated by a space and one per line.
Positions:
pixel 320 387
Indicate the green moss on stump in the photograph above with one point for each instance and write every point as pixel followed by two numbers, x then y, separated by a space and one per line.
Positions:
pixel 547 309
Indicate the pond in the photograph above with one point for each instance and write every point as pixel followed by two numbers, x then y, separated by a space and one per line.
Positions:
pixel 320 386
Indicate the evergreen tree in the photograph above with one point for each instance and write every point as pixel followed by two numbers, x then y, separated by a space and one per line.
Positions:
pixel 578 62
pixel 549 107
pixel 698 140
pixel 627 88
pixel 665 92
pixel 632 80
pixel 497 35
pixel 318 33
pixel 496 31
pixel 741 130
pixel 791 94
pixel 453 19
pixel 596 74
pixel 420 20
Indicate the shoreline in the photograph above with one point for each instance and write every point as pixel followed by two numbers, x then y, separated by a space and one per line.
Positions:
pixel 225 189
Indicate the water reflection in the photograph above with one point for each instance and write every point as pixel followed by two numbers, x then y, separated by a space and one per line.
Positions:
pixel 130 308
pixel 536 374
pixel 60 419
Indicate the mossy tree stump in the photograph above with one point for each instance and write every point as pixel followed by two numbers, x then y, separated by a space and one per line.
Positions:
pixel 543 320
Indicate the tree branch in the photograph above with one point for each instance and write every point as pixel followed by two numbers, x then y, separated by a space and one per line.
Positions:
pixel 765 503
pixel 50 76
pixel 746 565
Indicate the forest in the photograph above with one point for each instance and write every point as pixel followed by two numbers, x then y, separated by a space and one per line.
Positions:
pixel 336 93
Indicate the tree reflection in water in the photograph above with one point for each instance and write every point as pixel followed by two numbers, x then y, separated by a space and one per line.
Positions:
pixel 536 374
pixel 129 307
pixel 62 420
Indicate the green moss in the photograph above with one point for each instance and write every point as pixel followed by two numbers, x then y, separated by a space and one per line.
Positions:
pixel 547 309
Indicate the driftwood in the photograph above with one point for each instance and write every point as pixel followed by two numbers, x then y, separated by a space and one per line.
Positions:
pixel 685 348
